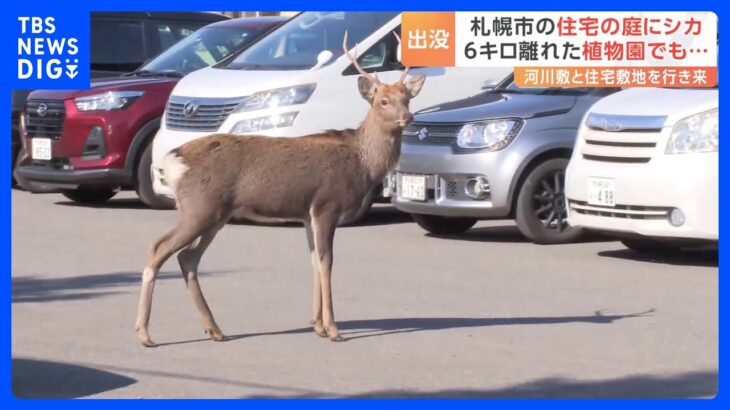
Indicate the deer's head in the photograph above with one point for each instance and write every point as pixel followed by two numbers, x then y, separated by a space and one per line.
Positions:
pixel 388 102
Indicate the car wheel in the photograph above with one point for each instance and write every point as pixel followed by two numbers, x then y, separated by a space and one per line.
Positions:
pixel 443 225
pixel 143 183
pixel 87 195
pixel 541 211
pixel 648 245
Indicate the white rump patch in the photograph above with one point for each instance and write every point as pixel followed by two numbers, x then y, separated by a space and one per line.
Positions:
pixel 174 169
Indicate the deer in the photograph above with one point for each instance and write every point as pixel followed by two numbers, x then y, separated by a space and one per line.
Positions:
pixel 318 180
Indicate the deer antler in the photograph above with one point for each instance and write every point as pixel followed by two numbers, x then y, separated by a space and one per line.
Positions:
pixel 405 70
pixel 353 59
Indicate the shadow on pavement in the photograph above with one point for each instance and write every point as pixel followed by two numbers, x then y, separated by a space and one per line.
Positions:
pixel 120 203
pixel 683 385
pixel 29 289
pixel 689 257
pixel 360 329
pixel 378 215
pixel 506 234
pixel 43 379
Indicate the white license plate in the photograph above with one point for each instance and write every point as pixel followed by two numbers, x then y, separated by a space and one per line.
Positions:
pixel 601 191
pixel 41 148
pixel 412 187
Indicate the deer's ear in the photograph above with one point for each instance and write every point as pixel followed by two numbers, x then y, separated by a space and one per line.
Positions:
pixel 414 85
pixel 367 88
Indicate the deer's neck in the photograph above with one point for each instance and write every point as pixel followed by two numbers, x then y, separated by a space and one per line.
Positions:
pixel 379 147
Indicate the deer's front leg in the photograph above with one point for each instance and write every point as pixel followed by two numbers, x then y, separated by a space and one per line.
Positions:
pixel 316 321
pixel 323 228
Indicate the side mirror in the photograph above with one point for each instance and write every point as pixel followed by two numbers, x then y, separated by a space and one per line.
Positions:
pixel 488 85
pixel 323 58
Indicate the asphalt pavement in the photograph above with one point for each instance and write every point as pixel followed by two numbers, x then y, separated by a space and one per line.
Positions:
pixel 484 314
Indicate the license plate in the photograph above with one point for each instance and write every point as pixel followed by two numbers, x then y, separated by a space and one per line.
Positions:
pixel 412 187
pixel 601 191
pixel 41 148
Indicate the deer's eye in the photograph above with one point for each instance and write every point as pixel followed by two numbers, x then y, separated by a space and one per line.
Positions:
pixel 384 102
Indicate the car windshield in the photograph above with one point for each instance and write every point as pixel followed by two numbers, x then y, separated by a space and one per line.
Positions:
pixel 205 47
pixel 296 44
pixel 508 86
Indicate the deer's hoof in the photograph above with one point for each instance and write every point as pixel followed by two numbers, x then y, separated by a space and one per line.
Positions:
pixel 216 335
pixel 148 343
pixel 334 334
pixel 318 328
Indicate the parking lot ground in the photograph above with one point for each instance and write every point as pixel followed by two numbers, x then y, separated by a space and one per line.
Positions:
pixel 485 314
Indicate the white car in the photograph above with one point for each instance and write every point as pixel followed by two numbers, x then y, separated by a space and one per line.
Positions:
pixel 296 81
pixel 645 168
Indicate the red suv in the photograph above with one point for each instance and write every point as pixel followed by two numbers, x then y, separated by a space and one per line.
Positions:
pixel 91 143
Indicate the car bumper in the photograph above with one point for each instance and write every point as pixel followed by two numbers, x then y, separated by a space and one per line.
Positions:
pixel 446 176
pixel 645 193
pixel 73 178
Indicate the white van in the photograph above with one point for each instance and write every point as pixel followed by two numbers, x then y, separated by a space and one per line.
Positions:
pixel 296 81
pixel 645 168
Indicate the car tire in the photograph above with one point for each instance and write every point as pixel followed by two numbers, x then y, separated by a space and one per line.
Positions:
pixel 444 225
pixel 143 183
pixel 88 195
pixel 541 208
pixel 648 245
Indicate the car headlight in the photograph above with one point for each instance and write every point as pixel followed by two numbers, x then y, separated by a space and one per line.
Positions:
pixel 112 100
pixel 280 97
pixel 264 123
pixel 492 134
pixel 698 133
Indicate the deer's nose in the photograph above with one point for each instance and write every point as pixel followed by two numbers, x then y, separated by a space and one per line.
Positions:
pixel 407 118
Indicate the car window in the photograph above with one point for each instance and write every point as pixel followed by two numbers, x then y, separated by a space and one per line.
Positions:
pixel 382 56
pixel 296 44
pixel 116 45
pixel 170 33
pixel 203 48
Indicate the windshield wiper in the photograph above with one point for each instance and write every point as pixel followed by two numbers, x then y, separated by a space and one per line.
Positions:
pixel 145 73
pixel 507 91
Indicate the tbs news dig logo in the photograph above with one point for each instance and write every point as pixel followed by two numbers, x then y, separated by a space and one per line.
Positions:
pixel 42 53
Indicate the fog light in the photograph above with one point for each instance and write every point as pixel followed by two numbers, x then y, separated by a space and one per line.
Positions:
pixel 676 217
pixel 477 188
pixel 94 146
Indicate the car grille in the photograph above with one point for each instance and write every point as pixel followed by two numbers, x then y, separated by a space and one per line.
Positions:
pixel 210 113
pixel 622 139
pixel 620 211
pixel 44 118
pixel 431 134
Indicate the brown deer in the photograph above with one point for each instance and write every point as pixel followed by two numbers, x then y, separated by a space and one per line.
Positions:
pixel 318 179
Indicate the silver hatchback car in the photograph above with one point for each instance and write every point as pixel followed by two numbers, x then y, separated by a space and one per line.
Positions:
pixel 498 154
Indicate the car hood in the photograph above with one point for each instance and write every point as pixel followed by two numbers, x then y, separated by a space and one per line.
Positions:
pixel 102 85
pixel 674 103
pixel 225 83
pixel 497 105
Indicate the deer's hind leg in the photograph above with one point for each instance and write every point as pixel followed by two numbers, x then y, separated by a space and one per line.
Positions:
pixel 189 259
pixel 182 235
